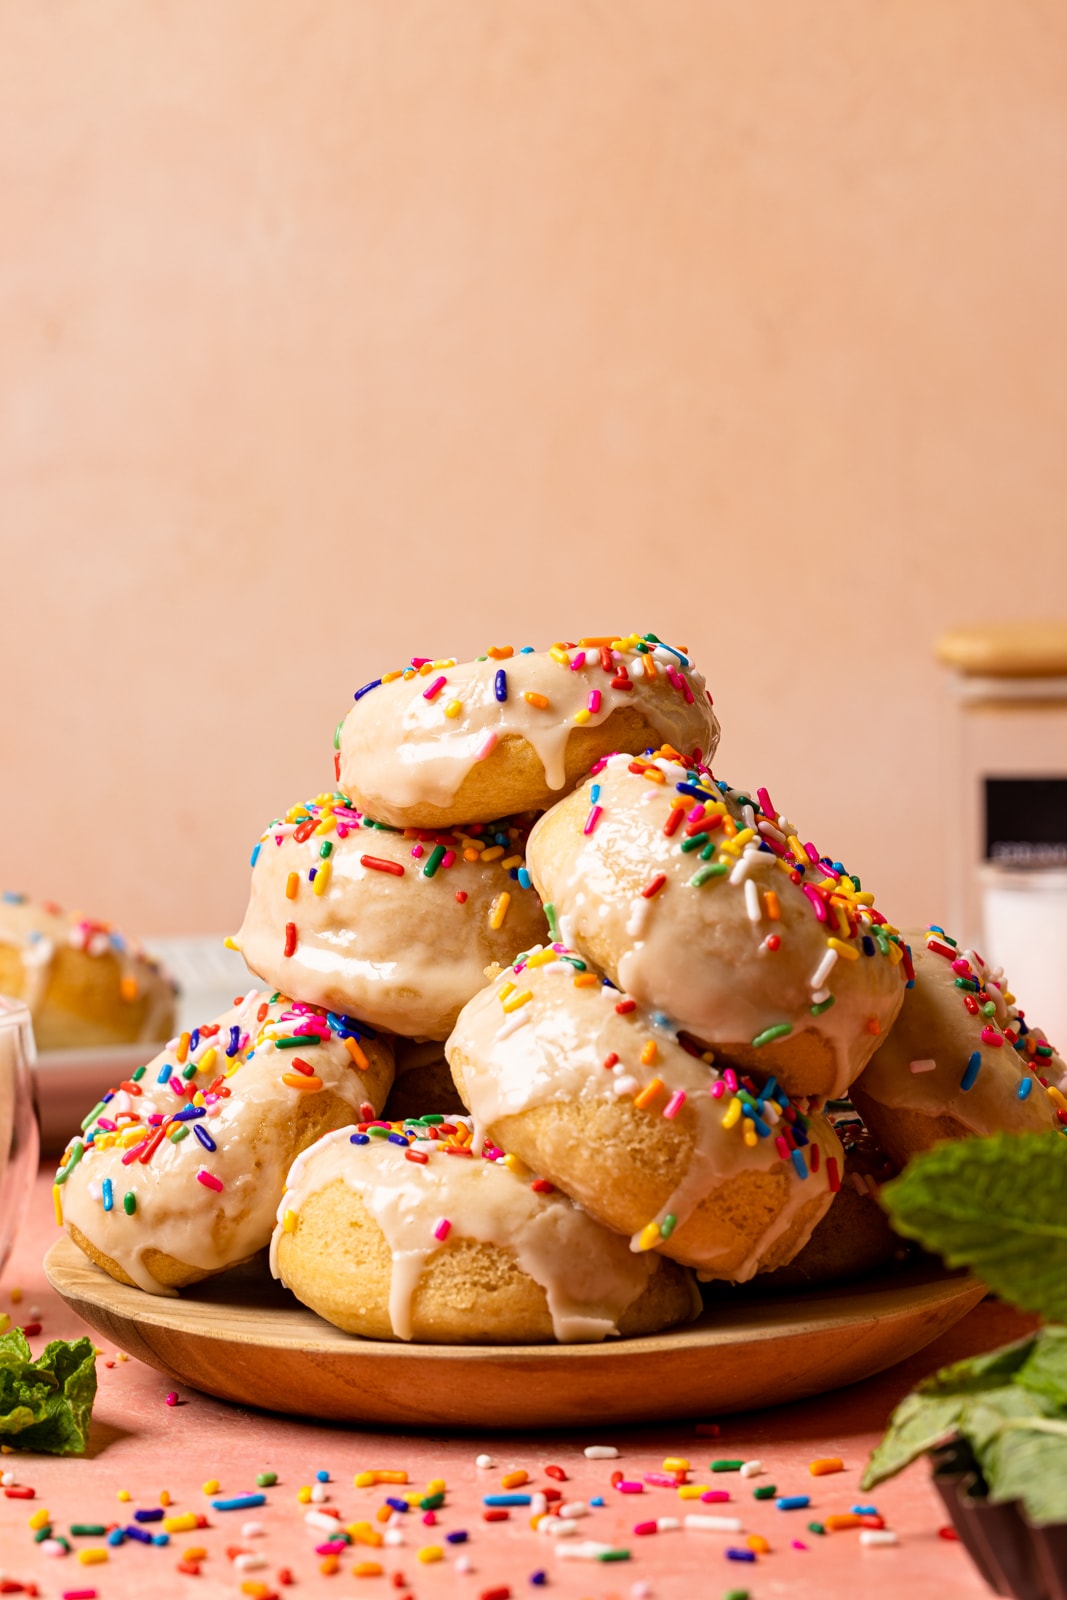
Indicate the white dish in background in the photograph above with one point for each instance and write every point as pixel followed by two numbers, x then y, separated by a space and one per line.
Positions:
pixel 68 1083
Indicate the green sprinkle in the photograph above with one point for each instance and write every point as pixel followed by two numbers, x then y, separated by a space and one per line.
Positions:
pixel 325 848
pixel 436 856
pixel 191 1070
pixel 337 734
pixel 697 842
pixel 431 1119
pixel 138 1074
pixel 181 1132
pixel 293 1041
pixel 726 1466
pixel 736 1594
pixel 708 851
pixel 431 1502
pixel 379 1133
pixel 824 1005
pixel 614 1555
pixel 668 1225
pixel 43 1533
pixel 275 996
pixel 129 1202
pixel 266 1480
pixel 550 918
pixel 88 1530
pixel 714 869
pixel 94 1113
pixel 779 1031
pixel 75 1156
pixel 989 1009
pixel 816 1527
pixel 766 1491
pixel 574 961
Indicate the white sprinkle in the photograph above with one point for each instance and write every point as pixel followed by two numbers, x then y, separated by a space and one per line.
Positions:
pixel 250 1562
pixel 538 1505
pixel 462 1564
pixel 484 1461
pixel 641 1590
pixel 639 913
pixel 667 1524
pixel 392 1537
pixel 558 1527
pixel 877 1536
pixel 52 1547
pixel 752 901
pixel 253 1530
pixel 318 1494
pixel 823 970
pixel 517 1020
pixel 600 1452
pixel 323 1520
pixel 713 1524
pixel 819 995
pixel 751 1469
pixel 582 1550
pixel 574 1508
pixel 922 1066
pixel 7 1479
pixel 624 1085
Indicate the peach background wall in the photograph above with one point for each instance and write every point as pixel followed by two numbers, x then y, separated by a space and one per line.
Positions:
pixel 335 332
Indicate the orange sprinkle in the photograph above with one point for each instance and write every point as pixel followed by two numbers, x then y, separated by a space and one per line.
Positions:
pixel 368 1569
pixel 128 987
pixel 649 1093
pixel 299 1080
pixel 327 1566
pixel 774 910
pixel 292 884
pixel 514 1480
pixel 844 1519
pixel 758 1543
pixel 825 1464
pixel 534 699
pixel 500 652
pixel 649 1053
pixel 182 1052
pixel 352 1046
pixel 873 1025
pixel 586 980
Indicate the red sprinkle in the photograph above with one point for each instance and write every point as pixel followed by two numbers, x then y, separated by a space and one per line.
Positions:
pixel 20 1493
pixel 495 1516
pixel 609 1061
pixel 461 896
pixel 30 1328
pixel 947 1533
pixel 290 938
pixel 542 1186
pixel 832 1174
pixel 418 1156
pixel 674 821
pixel 501 1592
pixel 376 864
pixel 305 830
pixel 557 1473
pixel 625 1006
pixel 655 885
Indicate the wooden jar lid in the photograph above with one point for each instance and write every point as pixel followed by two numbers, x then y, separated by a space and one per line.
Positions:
pixel 1006 650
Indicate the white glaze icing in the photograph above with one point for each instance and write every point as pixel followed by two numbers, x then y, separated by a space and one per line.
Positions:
pixel 588 1274
pixel 398 950
pixel 399 749
pixel 251 1127
pixel 558 1057
pixel 41 932
pixel 700 953
pixel 935 1026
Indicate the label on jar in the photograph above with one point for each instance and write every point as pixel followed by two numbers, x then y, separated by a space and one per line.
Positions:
pixel 1026 821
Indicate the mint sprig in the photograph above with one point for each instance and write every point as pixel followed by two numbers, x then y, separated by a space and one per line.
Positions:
pixel 46 1404
pixel 996 1205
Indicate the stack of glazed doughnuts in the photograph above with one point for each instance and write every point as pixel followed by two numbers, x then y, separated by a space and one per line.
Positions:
pixel 528 899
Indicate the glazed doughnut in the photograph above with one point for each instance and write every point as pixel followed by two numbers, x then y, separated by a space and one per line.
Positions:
pixel 181 1169
pixel 392 1237
pixel 960 1059
pixel 423 1079
pixel 437 743
pixel 86 984
pixel 704 905
pixel 394 927
pixel 584 1086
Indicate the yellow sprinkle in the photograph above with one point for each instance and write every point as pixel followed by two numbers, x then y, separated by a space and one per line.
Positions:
pixel 431 1552
pixel 849 951
pixel 534 699
pixel 742 838
pixel 93 1556
pixel 57 1204
pixel 289 1224
pixel 648 1238
pixel 210 1486
pixel 520 999
pixel 303 1494
pixel 649 1053
pixel 748 1130
pixel 326 823
pixel 124 1495
pixel 207 1060
pixel 676 1464
pixel 519 1168
pixel 654 775
pixel 797 848
pixel 586 980
pixel 541 959
pixel 183 1524
pixel 511 861
pixel 230 942
pixel 492 854
pixel 322 878
pixel 692 1491
pixel 558 653
pixel 436 1486
pixel 39 1518
pixel 733 1114
pixel 292 884
pixel 581 716
pixel 363 1533
pixel 896 954
pixel 453 708
pixel 1010 998
pixel 499 910
pixel 1056 1097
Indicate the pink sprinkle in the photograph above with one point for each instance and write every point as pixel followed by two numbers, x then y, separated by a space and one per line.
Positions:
pixel 729 1077
pixel 172 1398
pixel 417 851
pixel 108 1127
pixel 630 1486
pixel 961 966
pixel 717 1090
pixel 660 1480
pixel 177 1086
pixel 578 661
pixel 812 853
pixel 209 1180
pixel 674 1104
pixel 429 1518
pixel 674 677
pixel 991 1036
pixel 782 1147
pixel 443 1229
pixel 332 1547
pixel 448 859
pixel 79 1594
pixel 696 813
pixel 816 900
pixel 765 803
pixel 593 818
pixel 420 661
pixel 687 692
pixel 486 747
pixel 798 1544
pixel 593 703
pixel 714 1497
pixel 133 1152
pixel 435 688
pixel 645 1527
pixel 598 766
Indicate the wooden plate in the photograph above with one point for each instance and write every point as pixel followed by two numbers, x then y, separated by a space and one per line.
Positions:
pixel 241 1336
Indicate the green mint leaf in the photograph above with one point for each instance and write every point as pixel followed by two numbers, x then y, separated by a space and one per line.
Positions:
pixel 995 1205
pixel 1044 1372
pixel 1021 1450
pixel 46 1404
pixel 993 1370
pixel 918 1424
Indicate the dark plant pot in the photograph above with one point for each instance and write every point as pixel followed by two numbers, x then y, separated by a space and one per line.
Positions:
pixel 1013 1556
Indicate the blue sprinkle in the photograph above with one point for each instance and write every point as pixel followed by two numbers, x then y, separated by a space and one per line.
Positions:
pixel 524 878
pixel 360 1138
pixel 396 1503
pixel 507 1500
pixel 512 873
pixel 971 1070
pixel 366 689
pixel 255 856
pixel 539 1577
pixel 598 1500
pixel 322 1475
pixel 164 1072
pixel 240 1502
pixel 194 1039
pixel 398 1138
pixel 797 1158
pixel 869 945
pixel 935 929
pixel 864 1511
pixel 155 1514
pixel 594 794
pixel 313 874
pixel 740 1555
pixel 500 685
pixel 527 650
pixel 793 1502
pixel 140 1534
pixel 108 1194
pixel 235 1041
pixel 662 1020
pixel 459 1536
pixel 161 1538
pixel 189 1114
pixel 205 1138
pixel 116 1537
pixel 1024 1088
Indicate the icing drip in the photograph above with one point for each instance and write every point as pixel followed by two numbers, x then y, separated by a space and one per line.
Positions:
pixel 588 1274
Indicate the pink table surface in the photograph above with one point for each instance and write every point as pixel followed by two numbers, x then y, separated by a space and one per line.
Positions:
pixel 142 1445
